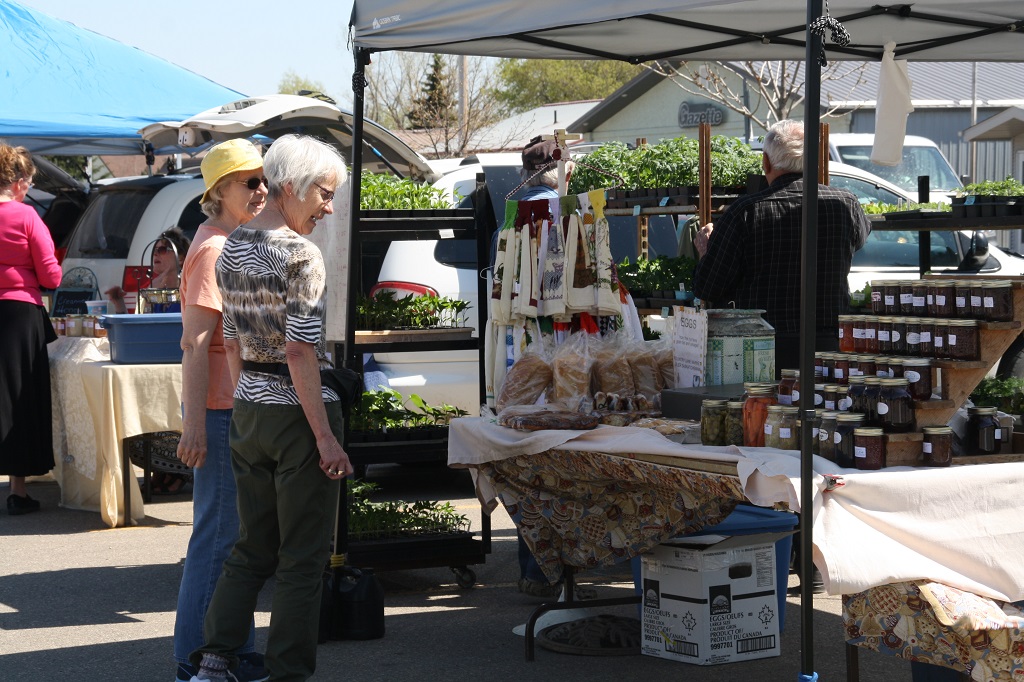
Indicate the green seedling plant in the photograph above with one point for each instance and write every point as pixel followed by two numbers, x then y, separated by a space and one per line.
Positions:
pixel 397 518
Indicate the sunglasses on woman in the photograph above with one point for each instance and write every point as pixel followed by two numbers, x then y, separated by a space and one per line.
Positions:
pixel 161 250
pixel 253 184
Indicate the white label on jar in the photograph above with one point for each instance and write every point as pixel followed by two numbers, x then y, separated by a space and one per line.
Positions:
pixel 882 373
pixel 926 337
pixel 961 302
pixel 796 397
pixel 926 448
pixel 990 302
pixel 890 373
pixel 975 301
pixel 918 302
pixel 876 295
pixel 882 408
pixel 860 451
pixel 869 333
pixel 840 332
pixel 906 299
pixel 837 437
pixel 830 404
pixel 913 338
pixel 818 398
pixel 824 372
pixel 814 433
pixel 895 336
pixel 785 399
pixel 89 324
pixel 911 376
pixel 890 300
pixel 931 299
pixel 883 334
pixel 940 299
pixel 785 432
pixel 823 435
pixel 767 429
pixel 858 333
pixel 855 372
pixel 952 339
pixel 839 373
pixel 999 434
pixel 938 342
pixel 845 404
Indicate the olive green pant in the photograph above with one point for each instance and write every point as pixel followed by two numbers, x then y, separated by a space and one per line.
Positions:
pixel 286 510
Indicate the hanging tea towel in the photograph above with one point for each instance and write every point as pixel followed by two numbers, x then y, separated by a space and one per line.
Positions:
pixel 501 275
pixel 608 302
pixel 552 264
pixel 579 287
pixel 894 106
pixel 532 214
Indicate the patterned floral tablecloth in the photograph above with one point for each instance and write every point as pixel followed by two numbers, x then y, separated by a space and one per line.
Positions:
pixel 587 509
pixel 940 625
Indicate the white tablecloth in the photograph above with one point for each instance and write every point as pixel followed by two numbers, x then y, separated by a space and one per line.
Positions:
pixel 96 405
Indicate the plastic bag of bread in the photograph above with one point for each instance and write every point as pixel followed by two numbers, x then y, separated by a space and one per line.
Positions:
pixel 646 372
pixel 544 417
pixel 525 382
pixel 570 370
pixel 611 372
pixel 662 351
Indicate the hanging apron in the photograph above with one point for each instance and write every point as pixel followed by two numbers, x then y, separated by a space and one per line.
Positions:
pixel 607 302
pixel 580 296
pixel 502 274
pixel 551 264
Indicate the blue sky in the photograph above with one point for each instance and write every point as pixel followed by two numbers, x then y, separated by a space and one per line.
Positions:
pixel 247 46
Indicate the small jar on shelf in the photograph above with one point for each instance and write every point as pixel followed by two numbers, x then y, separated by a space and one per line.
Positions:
pixel 997 300
pixel 877 304
pixel 755 412
pixel 842 399
pixel 937 447
pixel 870 334
pixel 826 446
pixel 712 422
pixel 927 346
pixel 867 365
pixel 919 306
pixel 899 336
pixel 788 434
pixel 940 346
pixel 734 423
pixel 788 391
pixel 846 342
pixel 906 297
pixel 983 435
pixel 842 438
pixel 868 448
pixel 771 426
pixel 819 396
pixel 891 297
pixel 856 392
pixel 884 335
pixel 872 393
pixel 918 373
pixel 913 336
pixel 841 371
pixel 962 339
pixel 895 407
pixel 962 298
pixel 943 295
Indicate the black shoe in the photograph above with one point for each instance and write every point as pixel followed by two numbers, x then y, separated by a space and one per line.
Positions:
pixel 17 505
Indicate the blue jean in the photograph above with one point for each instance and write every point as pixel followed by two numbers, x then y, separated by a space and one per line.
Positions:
pixel 214 532
pixel 528 566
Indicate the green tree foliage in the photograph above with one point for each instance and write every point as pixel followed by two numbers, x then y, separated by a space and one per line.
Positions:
pixel 524 84
pixel 292 83
pixel 435 106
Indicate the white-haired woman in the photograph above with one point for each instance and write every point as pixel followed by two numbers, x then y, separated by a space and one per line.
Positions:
pixel 286 428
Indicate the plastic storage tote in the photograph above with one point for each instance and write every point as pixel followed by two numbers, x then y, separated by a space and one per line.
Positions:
pixel 144 339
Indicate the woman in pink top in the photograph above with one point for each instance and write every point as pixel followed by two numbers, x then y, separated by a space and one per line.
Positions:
pixel 27 263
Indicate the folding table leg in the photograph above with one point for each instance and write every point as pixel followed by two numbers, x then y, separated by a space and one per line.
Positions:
pixel 852 664
pixel 126 472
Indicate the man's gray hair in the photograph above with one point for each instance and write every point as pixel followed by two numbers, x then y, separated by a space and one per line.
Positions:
pixel 303 161
pixel 784 146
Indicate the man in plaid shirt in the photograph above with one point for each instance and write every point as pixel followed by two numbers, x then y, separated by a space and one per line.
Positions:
pixel 751 257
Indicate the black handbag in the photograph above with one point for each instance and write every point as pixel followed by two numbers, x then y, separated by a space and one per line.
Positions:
pixel 343 381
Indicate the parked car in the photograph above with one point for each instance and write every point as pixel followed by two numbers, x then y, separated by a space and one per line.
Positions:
pixel 125 217
pixel 921 156
pixel 452 376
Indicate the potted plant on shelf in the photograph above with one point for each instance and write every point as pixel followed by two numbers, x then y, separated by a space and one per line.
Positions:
pixel 383 317
pixel 395 519
pixel 387 196
pixel 989 198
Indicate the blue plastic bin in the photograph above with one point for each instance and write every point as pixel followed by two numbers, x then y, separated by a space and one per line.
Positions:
pixel 747 520
pixel 154 338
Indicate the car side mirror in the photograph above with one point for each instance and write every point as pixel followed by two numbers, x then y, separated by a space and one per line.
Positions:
pixel 977 254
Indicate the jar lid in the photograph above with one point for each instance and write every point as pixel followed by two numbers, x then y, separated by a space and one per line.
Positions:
pixel 982 411
pixel 899 320
pixel 867 431
pixel 895 361
pixel 920 283
pixel 713 402
pixel 842 389
pixel 789 410
pixel 917 362
pixel 829 388
pixel 734 405
pixel 936 430
pixel 790 373
pixel 996 284
pixel 867 358
pixel 830 414
pixel 850 417
pixel 895 381
pixel 775 409
pixel 857 379
pixel 885 319
pixel 845 318
pixel 941 282
pixel 872 381
pixel 819 387
pixel 760 390
pixel 962 323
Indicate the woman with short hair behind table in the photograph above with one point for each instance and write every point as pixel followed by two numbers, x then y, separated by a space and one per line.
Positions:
pixel 286 427
pixel 27 262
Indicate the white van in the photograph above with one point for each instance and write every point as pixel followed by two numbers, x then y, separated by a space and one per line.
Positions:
pixel 921 156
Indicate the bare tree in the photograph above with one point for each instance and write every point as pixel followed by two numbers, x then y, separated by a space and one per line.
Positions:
pixel 396 88
pixel 774 89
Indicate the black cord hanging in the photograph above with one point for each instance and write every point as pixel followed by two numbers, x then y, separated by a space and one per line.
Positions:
pixel 840 36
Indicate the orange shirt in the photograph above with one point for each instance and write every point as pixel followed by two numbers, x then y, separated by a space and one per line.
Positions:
pixel 199 287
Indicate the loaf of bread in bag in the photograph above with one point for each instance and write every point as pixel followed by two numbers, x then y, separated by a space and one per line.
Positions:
pixel 526 380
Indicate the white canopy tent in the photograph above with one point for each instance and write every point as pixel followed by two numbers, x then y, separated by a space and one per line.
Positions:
pixel 642 30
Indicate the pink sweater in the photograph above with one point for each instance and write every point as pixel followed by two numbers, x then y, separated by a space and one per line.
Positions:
pixel 27 261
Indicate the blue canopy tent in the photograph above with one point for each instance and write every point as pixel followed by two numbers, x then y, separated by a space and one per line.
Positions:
pixel 70 91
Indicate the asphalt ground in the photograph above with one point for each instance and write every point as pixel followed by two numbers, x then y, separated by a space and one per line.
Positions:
pixel 81 601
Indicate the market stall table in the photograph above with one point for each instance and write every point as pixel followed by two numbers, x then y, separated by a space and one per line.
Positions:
pixel 97 405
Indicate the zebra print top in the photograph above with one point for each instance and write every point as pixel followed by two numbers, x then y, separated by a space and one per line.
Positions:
pixel 273 284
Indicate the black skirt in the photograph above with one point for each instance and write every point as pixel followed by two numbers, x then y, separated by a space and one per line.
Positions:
pixel 26 429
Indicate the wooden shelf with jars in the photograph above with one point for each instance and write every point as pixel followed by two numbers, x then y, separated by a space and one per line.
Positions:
pixel 956 380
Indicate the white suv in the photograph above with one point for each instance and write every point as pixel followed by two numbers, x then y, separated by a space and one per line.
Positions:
pixel 451 269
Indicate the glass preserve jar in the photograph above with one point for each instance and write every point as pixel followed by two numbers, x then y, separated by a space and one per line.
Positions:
pixel 842 438
pixel 788 391
pixel 906 306
pixel 734 423
pixel 997 300
pixel 891 297
pixel 771 426
pixel 830 396
pixel 846 342
pixel 919 305
pixel 819 365
pixel 712 422
pixel 918 373
pixel 819 396
pixel 868 448
pixel 860 339
pixel 870 334
pixel 977 296
pixel 937 448
pixel 962 339
pixel 983 436
pixel 867 365
pixel 877 306
pixel 962 298
pixel 855 392
pixel 927 346
pixel 884 335
pixel 843 401
pixel 895 368
pixel 788 433
pixel 895 407
pixel 940 349
pixel 913 336
pixel 826 446
pixel 841 371
pixel 942 293
pixel 899 336
pixel 755 412
pixel 872 391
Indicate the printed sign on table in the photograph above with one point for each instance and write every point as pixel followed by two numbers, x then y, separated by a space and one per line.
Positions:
pixel 689 345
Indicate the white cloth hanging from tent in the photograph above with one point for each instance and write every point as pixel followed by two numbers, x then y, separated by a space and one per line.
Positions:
pixel 892 108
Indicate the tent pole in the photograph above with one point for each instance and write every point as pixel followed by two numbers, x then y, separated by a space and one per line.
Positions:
pixel 808 334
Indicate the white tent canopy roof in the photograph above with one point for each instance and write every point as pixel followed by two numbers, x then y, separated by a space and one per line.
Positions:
pixel 641 30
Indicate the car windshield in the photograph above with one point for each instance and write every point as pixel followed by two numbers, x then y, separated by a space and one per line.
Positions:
pixel 916 161
pixel 109 223
pixel 866 192
pixel 899 249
